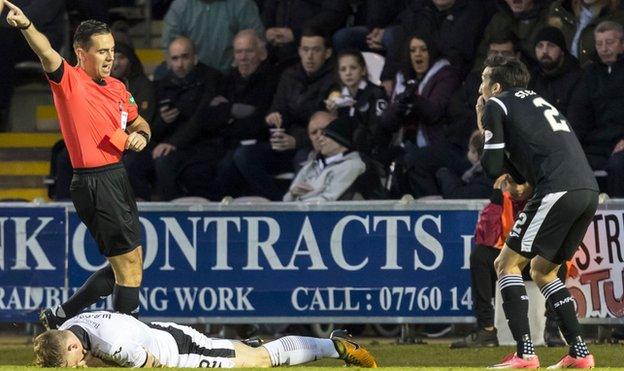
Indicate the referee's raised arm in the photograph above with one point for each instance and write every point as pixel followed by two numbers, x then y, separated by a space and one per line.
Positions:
pixel 50 59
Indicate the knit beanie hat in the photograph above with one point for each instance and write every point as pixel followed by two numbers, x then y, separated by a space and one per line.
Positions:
pixel 341 130
pixel 553 35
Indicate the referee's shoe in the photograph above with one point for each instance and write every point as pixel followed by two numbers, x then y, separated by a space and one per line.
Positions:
pixel 350 352
pixel 49 320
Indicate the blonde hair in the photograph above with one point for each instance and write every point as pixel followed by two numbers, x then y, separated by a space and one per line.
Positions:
pixel 50 349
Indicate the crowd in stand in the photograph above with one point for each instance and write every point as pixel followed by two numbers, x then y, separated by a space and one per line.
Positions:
pixel 253 90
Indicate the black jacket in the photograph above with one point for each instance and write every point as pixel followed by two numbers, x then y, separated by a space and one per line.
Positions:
pixel 184 94
pixel 456 32
pixel 327 15
pixel 597 108
pixel 298 96
pixel 461 119
pixel 242 116
pixel 557 86
pixel 375 13
pixel 141 88
pixel 371 102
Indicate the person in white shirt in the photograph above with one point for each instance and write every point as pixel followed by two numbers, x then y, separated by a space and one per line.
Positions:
pixel 97 338
pixel 335 168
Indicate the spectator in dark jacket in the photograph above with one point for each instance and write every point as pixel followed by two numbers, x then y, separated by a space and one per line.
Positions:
pixel 597 109
pixel 454 25
pixel 422 92
pixel 285 21
pixel 299 94
pixel 129 69
pixel 48 16
pixel 460 116
pixel 557 74
pixel 354 96
pixel 577 19
pixel 473 183
pixel 524 18
pixel 234 118
pixel 178 95
pixel 376 25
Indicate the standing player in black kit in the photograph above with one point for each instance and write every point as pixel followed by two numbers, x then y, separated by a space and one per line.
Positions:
pixel 528 138
pixel 93 110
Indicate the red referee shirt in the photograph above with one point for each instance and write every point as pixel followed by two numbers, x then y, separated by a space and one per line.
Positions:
pixel 89 114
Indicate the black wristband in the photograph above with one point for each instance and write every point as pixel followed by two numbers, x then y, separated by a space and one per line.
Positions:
pixel 26 27
pixel 145 135
pixel 497 196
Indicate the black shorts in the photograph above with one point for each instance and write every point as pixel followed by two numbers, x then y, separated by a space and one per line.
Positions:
pixel 105 203
pixel 553 226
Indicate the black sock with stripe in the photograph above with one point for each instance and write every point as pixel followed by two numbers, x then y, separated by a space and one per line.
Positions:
pixel 562 303
pixel 516 307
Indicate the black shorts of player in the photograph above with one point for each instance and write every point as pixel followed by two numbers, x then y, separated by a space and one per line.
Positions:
pixel 553 226
pixel 105 203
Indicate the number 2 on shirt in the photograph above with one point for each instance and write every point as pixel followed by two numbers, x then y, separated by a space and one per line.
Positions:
pixel 552 115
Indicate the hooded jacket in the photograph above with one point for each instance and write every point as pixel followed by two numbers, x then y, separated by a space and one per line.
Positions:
pixel 138 84
pixel 329 178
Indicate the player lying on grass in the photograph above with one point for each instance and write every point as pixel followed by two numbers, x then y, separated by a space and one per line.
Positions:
pixel 97 338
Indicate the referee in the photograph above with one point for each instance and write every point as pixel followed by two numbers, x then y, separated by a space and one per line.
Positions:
pixel 99 119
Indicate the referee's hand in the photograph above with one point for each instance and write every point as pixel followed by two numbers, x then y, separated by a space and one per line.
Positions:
pixel 136 142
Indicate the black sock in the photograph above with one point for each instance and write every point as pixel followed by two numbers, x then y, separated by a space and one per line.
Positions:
pixel 516 307
pixel 126 300
pixel 100 284
pixel 578 348
pixel 562 303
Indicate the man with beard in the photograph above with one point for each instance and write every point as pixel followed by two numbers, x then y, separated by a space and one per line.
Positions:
pixel 557 74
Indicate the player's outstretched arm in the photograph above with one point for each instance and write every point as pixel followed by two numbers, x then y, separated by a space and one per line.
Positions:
pixel 50 59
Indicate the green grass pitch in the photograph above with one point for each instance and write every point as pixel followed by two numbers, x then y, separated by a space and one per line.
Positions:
pixel 395 357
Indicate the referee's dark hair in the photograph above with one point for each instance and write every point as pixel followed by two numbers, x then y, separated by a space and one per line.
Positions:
pixel 508 71
pixel 86 29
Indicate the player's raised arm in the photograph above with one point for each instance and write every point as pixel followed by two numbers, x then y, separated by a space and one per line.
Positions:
pixel 50 58
pixel 493 149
